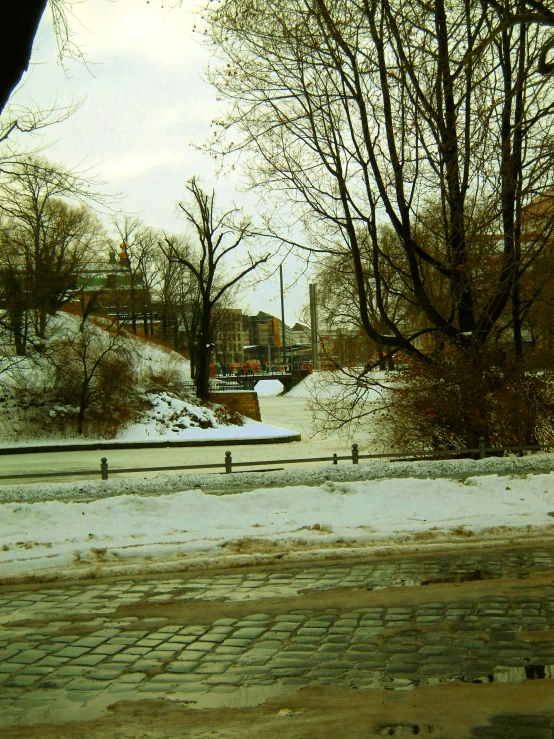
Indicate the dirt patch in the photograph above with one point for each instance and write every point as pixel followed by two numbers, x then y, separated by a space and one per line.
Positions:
pixel 251 545
pixel 451 711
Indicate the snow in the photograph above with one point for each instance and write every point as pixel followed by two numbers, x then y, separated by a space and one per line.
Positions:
pixel 269 388
pixel 328 385
pixel 130 532
pixel 170 418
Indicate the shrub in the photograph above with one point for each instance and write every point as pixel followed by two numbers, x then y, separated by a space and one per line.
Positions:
pixel 95 374
pixel 468 394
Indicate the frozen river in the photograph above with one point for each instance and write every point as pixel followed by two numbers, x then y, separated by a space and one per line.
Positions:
pixel 287 412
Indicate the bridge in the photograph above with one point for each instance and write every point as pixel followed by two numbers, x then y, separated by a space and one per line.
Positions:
pixel 248 382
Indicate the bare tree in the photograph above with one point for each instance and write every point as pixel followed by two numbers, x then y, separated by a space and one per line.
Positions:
pixel 215 238
pixel 359 113
pixel 139 259
pixel 46 243
pixel 93 366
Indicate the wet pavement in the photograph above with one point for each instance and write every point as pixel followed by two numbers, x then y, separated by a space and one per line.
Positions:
pixel 235 637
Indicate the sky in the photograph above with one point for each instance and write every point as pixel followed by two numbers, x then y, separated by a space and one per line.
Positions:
pixel 145 109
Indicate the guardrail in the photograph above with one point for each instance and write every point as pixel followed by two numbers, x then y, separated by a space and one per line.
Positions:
pixel 228 463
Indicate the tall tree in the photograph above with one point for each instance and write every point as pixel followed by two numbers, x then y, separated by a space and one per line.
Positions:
pixel 215 240
pixel 46 242
pixel 367 112
pixel 139 244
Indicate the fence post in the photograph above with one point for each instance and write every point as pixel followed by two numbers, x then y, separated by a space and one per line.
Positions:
pixel 228 463
pixel 482 453
pixel 104 468
pixel 335 459
pixel 355 454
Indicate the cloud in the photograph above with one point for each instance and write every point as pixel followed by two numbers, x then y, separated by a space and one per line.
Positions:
pixel 128 28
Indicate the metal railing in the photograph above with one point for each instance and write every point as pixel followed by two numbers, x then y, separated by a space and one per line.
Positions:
pixel 228 464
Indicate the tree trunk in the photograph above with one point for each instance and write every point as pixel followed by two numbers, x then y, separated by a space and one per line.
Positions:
pixel 516 319
pixel 202 378
pixel 19 333
pixel 19 26
pixel 41 324
pixel 204 351
pixel 82 411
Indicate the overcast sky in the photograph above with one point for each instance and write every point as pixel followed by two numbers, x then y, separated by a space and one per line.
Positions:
pixel 145 106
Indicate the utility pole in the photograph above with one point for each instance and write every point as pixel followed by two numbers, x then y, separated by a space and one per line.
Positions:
pixel 283 331
pixel 313 326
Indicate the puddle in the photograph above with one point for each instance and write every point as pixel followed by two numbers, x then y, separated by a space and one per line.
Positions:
pixel 245 697
pixel 535 672
pixel 472 576
pixel 404 730
pixel 58 705
pixel 516 725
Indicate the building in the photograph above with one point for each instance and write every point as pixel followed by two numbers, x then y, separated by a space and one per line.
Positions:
pixel 114 288
pixel 230 337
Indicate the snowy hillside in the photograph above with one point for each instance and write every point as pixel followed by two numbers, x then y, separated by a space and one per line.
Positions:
pixel 145 394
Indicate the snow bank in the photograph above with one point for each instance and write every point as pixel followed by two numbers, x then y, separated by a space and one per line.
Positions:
pixel 333 384
pixel 459 469
pixel 63 538
pixel 268 388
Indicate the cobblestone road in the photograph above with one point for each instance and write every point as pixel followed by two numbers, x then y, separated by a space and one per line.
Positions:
pixel 69 650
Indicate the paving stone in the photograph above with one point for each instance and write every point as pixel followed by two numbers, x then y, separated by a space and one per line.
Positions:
pixel 146 664
pixel 220 680
pixel 400 667
pixel 182 639
pixel 197 647
pixel 249 670
pixel 104 674
pixel 214 637
pixel 182 667
pixel 484 668
pixel 286 662
pixel 541 660
pixel 327 672
pixel 29 656
pixel 289 671
pixel 106 649
pixel 192 688
pixel 364 634
pixel 442 669
pixel 90 641
pixel 21 681
pixel 222 649
pixel 444 659
pixel 284 626
pixel 9 667
pixel 331 647
pixel 70 671
pixel 37 670
pixel 400 648
pixel 212 668
pixel 89 659
pixel 91 686
pixel 132 678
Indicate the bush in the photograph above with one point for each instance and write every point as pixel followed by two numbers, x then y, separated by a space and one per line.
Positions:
pixel 450 403
pixel 95 376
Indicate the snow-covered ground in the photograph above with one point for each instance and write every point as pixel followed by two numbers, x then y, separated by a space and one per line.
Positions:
pixel 134 532
pixel 26 417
